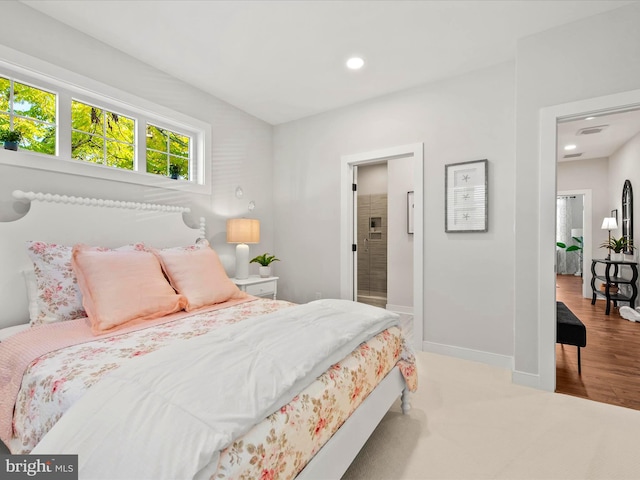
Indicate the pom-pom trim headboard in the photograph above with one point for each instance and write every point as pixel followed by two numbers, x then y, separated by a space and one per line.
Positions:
pixel 67 220
pixel 95 202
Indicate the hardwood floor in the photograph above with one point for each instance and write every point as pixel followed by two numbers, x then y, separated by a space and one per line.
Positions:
pixel 611 359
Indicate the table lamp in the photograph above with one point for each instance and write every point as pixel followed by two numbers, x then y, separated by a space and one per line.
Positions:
pixel 243 231
pixel 609 223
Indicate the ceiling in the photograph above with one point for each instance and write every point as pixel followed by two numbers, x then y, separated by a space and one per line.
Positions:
pixel 598 137
pixel 285 60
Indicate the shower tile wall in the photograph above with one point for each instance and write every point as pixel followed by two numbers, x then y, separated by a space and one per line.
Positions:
pixel 372 249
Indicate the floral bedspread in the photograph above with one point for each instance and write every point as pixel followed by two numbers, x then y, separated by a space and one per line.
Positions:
pixel 278 447
pixel 281 446
pixel 55 381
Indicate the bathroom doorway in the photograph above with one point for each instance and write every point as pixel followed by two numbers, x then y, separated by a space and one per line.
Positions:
pixel 372 234
pixel 405 243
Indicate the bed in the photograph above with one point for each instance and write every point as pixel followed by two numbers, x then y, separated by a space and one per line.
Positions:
pixel 68 386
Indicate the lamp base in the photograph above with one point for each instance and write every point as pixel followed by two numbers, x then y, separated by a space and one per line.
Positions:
pixel 242 261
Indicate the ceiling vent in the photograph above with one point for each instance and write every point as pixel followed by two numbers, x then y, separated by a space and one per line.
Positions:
pixel 572 155
pixel 591 130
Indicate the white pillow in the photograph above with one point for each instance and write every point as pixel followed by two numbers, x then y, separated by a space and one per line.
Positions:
pixel 32 293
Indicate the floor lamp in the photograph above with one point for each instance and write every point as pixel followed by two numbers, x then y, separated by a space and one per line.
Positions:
pixel 609 223
pixel 243 231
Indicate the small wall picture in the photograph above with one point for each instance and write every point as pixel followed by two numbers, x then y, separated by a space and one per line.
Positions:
pixel 614 214
pixel 466 197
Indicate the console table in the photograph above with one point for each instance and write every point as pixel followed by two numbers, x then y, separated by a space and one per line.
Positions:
pixel 610 278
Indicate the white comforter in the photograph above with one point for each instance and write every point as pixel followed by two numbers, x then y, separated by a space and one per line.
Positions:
pixel 169 413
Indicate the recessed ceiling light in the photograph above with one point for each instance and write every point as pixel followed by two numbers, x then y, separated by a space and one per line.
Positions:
pixel 355 63
pixel 570 147
pixel 590 118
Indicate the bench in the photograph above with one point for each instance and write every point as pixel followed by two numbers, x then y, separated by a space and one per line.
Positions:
pixel 570 330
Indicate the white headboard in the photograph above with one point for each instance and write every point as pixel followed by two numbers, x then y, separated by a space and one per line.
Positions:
pixel 68 220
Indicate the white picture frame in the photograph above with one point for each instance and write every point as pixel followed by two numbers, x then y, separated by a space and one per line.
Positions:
pixel 466 197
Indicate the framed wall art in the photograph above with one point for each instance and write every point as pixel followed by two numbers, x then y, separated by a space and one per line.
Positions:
pixel 466 197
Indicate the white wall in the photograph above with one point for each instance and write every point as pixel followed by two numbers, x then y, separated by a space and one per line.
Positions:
pixel 591 175
pixel 372 179
pixel 589 58
pixel 468 277
pixel 624 164
pixel 400 246
pixel 241 148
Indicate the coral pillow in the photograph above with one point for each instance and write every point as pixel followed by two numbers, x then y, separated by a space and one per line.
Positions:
pixel 199 276
pixel 119 287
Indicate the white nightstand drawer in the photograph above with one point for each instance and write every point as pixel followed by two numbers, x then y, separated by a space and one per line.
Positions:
pixel 258 286
pixel 262 289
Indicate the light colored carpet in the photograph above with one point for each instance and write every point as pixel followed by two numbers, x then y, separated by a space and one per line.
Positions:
pixel 468 421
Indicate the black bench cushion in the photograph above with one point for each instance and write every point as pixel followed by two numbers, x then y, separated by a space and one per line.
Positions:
pixel 570 330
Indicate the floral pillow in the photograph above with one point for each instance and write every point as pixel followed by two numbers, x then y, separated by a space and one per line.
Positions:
pixel 58 296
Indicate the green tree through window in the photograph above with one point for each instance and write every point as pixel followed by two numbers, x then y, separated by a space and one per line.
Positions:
pixel 103 137
pixel 165 148
pixel 101 130
pixel 30 110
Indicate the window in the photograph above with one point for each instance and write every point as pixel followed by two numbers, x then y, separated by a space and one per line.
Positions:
pixel 101 136
pixel 78 126
pixel 30 110
pixel 165 148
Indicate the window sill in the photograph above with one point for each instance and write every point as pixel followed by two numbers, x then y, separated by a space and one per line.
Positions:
pixel 30 160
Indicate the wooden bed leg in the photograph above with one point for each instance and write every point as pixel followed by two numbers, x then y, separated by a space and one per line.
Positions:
pixel 404 398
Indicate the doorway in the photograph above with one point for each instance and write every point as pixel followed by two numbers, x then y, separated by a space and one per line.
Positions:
pixel 550 118
pixel 372 234
pixel 409 306
pixel 600 160
pixel 581 226
pixel 569 234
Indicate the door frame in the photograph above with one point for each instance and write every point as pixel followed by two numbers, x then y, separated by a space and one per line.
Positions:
pixel 347 219
pixel 547 191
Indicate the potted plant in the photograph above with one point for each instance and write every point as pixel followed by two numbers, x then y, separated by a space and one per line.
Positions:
pixel 265 260
pixel 574 248
pixel 11 138
pixel 174 171
pixel 618 246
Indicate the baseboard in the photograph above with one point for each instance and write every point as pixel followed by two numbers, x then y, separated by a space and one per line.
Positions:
pixel 526 379
pixel 493 359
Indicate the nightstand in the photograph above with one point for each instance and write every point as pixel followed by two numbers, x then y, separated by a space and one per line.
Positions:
pixel 258 286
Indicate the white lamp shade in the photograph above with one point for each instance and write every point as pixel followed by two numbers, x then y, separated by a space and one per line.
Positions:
pixel 243 230
pixel 609 223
